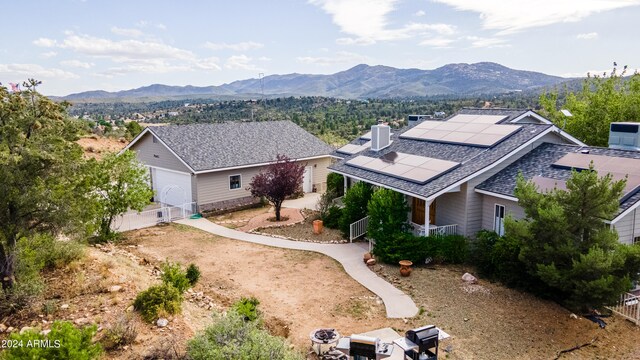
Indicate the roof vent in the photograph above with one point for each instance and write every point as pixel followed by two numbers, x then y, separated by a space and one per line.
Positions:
pixel 624 136
pixel 380 137
pixel 584 151
pixel 414 119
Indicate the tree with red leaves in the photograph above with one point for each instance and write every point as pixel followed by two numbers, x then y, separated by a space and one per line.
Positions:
pixel 277 181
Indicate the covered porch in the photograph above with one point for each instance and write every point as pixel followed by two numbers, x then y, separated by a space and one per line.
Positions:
pixel 424 218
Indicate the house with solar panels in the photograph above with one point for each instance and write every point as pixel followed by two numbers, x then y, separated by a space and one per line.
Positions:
pixel 459 174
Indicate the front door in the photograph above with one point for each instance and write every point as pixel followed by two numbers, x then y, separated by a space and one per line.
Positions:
pixel 307 179
pixel 432 213
pixel 417 211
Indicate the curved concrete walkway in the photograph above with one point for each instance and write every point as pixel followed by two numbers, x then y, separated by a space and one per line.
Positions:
pixel 397 303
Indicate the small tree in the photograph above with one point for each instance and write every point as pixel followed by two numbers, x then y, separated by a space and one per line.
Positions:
pixel 355 205
pixel 277 181
pixel 119 183
pixel 133 128
pixel 388 214
pixel 565 243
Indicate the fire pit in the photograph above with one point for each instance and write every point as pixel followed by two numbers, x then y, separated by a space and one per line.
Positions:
pixel 321 337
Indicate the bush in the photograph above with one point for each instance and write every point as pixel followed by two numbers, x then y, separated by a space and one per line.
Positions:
pixel 332 218
pixel 402 246
pixel 233 338
pixel 335 184
pixel 325 202
pixel 248 308
pixel 387 211
pixel 65 342
pixel 123 332
pixel 497 258
pixel 482 252
pixel 193 274
pixel 172 274
pixel 157 301
pixel 452 249
pixel 355 205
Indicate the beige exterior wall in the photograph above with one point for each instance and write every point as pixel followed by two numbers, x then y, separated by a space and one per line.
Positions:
pixel 214 187
pixel 628 227
pixel 156 154
pixel 450 209
pixel 488 210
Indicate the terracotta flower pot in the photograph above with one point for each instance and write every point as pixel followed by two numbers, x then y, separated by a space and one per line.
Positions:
pixel 405 267
pixel 317 226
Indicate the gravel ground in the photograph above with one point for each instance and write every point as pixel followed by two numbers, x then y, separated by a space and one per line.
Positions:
pixel 304 231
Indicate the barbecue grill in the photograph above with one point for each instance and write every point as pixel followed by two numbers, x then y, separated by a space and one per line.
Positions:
pixel 362 347
pixel 423 343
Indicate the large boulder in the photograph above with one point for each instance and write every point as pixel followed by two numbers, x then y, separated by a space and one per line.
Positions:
pixel 468 278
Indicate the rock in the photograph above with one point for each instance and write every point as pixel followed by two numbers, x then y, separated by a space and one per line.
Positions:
pixel 25 329
pixel 115 288
pixel 81 321
pixel 371 262
pixel 3 328
pixel 449 348
pixel 162 322
pixel 64 306
pixel 45 332
pixel 10 329
pixel 573 316
pixel 405 320
pixel 130 309
pixel 367 256
pixel 469 278
pixel 466 319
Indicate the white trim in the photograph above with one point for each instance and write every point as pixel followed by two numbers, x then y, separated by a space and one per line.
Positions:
pixel 147 129
pixel 501 196
pixel 165 169
pixel 491 166
pixel 624 213
pixel 256 165
pixel 533 114
pixel 568 137
pixel 238 188
pixel 378 184
pixel 135 140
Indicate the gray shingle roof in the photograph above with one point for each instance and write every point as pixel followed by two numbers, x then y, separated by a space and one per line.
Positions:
pixel 228 144
pixel 539 162
pixel 472 158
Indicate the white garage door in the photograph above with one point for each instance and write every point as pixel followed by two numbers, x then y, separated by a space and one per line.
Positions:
pixel 171 188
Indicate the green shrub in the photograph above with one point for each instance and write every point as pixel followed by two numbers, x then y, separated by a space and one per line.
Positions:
pixel 482 252
pixel 193 274
pixel 335 184
pixel 355 205
pixel 388 212
pixel 332 217
pixel 452 249
pixel 64 342
pixel 498 258
pixel 172 274
pixel 233 338
pixel 123 332
pixel 248 308
pixel 402 246
pixel 157 301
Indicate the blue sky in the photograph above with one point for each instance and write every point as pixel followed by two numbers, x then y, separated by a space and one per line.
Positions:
pixel 79 45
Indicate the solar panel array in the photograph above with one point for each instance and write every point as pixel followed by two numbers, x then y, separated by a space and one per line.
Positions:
pixel 477 130
pixel 418 169
pixel 619 168
pixel 351 149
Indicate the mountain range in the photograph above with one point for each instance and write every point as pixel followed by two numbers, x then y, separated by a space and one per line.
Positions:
pixel 360 82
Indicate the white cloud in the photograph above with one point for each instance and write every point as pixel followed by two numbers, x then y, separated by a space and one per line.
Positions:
pixel 77 64
pixel 420 13
pixel 49 54
pixel 515 15
pixel 587 36
pixel 241 46
pixel 482 42
pixel 45 42
pixel 341 57
pixel 34 71
pixel 366 21
pixel 241 62
pixel 437 42
pixel 127 32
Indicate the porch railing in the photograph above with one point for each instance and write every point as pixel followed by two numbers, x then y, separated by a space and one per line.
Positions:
pixel 358 228
pixel 451 229
pixel 628 307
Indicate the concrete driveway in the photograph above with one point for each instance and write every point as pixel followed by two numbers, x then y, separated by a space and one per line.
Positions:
pixel 308 201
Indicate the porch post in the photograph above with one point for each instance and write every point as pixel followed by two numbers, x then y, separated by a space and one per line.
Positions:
pixel 427 205
pixel 345 184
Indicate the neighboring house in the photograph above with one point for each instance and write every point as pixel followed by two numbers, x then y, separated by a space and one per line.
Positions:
pixel 458 174
pixel 212 165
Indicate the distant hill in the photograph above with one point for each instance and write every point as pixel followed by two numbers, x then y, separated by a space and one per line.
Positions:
pixel 361 81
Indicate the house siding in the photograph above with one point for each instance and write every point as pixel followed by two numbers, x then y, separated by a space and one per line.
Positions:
pixel 212 189
pixel 628 227
pixel 488 207
pixel 450 209
pixel 474 203
pixel 156 154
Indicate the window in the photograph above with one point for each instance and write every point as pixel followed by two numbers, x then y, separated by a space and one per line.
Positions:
pixel 235 182
pixel 636 240
pixel 498 222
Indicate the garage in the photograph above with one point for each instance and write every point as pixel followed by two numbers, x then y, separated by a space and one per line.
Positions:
pixel 171 187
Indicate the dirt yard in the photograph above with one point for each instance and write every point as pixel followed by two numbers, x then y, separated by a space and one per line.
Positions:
pixel 304 231
pixel 489 321
pixel 95 146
